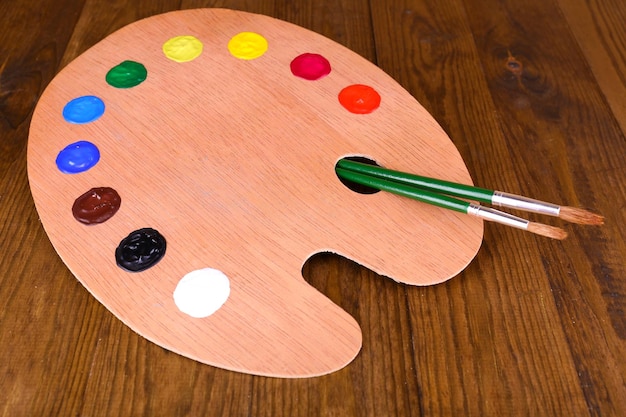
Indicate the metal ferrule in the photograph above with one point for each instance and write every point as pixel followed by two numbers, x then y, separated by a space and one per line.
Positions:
pixel 498 216
pixel 502 199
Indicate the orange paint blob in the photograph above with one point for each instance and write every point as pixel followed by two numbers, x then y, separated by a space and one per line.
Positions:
pixel 359 99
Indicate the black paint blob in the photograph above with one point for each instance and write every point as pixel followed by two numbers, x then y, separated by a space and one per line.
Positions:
pixel 140 250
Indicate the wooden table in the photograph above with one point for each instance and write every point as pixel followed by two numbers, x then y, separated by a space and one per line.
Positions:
pixel 533 95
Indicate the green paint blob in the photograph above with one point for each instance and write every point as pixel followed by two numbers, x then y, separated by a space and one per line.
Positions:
pixel 127 74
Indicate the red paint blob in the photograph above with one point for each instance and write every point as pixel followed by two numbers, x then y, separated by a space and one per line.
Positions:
pixel 310 66
pixel 359 99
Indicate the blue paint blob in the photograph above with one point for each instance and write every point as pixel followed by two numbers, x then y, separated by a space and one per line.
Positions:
pixel 83 109
pixel 78 157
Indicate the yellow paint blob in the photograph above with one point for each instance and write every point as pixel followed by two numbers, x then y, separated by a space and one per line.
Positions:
pixel 182 48
pixel 247 45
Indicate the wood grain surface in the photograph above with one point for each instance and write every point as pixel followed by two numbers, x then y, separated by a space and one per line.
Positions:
pixel 529 92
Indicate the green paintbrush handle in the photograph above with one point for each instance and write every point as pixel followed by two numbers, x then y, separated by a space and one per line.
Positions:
pixel 426 183
pixel 404 190
pixel 430 197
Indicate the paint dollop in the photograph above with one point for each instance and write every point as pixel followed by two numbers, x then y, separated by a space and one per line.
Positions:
pixel 83 109
pixel 247 45
pixel 77 157
pixel 183 48
pixel 202 292
pixel 359 99
pixel 310 66
pixel 127 74
pixel 140 250
pixel 96 205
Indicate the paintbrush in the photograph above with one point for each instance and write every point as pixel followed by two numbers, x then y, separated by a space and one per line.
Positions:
pixel 495 198
pixel 451 203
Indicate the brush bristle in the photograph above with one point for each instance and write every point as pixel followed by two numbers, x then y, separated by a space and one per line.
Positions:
pixel 547 231
pixel 580 216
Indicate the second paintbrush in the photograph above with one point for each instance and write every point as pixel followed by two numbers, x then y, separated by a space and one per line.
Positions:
pixel 496 198
pixel 451 203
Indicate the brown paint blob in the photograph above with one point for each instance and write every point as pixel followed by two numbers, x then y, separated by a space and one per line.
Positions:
pixel 96 205
pixel 359 99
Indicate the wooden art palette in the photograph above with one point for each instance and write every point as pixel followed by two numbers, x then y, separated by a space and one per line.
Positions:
pixel 183 169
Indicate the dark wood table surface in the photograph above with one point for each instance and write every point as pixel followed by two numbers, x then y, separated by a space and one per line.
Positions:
pixel 533 94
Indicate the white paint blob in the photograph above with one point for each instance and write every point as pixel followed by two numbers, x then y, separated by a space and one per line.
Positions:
pixel 202 292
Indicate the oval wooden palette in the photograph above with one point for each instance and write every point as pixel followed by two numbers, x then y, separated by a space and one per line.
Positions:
pixel 232 161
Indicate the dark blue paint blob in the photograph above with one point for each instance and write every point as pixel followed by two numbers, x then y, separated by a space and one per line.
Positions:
pixel 78 157
pixel 83 109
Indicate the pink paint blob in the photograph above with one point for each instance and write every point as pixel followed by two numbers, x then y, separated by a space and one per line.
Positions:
pixel 310 66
